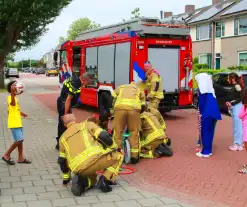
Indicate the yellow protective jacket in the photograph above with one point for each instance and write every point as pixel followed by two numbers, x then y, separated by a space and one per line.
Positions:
pixel 151 129
pixel 158 116
pixel 128 97
pixel 152 79
pixel 80 147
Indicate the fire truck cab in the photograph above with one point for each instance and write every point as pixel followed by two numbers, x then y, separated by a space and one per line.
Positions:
pixel 115 55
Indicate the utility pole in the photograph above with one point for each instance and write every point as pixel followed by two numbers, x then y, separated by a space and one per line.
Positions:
pixel 30 65
pixel 22 64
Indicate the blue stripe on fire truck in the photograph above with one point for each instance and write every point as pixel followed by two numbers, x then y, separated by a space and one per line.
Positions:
pixel 139 71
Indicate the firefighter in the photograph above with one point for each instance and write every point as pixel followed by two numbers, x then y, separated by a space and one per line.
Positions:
pixel 85 148
pixel 154 84
pixel 161 120
pixel 129 101
pixel 68 97
pixel 153 137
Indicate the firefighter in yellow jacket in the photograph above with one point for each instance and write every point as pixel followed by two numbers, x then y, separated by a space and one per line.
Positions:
pixel 153 137
pixel 85 148
pixel 154 85
pixel 161 120
pixel 128 103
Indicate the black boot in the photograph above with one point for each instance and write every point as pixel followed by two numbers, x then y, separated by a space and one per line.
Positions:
pixel 103 185
pixel 57 145
pixel 111 182
pixel 163 151
pixel 134 160
pixel 79 185
pixel 169 142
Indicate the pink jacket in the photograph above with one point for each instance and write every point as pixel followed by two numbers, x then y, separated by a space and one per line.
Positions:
pixel 243 116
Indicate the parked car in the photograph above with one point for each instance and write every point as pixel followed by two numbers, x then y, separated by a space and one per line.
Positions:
pixel 51 71
pixel 12 72
pixel 40 71
pixel 34 70
pixel 222 88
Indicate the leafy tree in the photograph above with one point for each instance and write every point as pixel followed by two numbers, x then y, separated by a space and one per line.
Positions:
pixel 78 26
pixel 23 22
pixel 10 57
pixel 135 13
pixel 62 40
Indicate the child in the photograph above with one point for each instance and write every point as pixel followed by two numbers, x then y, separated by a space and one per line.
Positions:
pixel 209 111
pixel 15 125
pixel 243 116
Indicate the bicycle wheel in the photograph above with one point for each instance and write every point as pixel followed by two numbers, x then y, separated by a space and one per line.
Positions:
pixel 126 151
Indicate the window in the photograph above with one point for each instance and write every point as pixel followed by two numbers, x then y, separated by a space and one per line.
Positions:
pixel 91 66
pixel 206 59
pixel 219 29
pixel 106 63
pixel 197 33
pixel 204 32
pixel 215 78
pixel 223 80
pixel 242 25
pixel 235 26
pixel 64 57
pixel 242 56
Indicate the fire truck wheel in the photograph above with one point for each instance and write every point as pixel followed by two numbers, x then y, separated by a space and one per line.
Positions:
pixel 104 101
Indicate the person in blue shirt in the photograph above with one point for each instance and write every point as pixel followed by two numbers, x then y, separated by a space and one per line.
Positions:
pixel 210 113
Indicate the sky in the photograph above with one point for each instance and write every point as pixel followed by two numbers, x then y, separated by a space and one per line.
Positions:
pixel 104 12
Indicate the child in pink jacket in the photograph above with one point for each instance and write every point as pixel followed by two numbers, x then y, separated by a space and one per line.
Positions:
pixel 243 116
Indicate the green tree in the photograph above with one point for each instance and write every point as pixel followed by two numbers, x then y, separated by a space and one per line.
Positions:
pixel 78 26
pixel 23 22
pixel 135 13
pixel 62 40
pixel 10 57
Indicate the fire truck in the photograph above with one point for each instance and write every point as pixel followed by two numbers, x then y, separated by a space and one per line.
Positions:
pixel 115 55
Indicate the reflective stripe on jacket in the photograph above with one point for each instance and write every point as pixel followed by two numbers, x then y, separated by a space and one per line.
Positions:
pixel 79 145
pixel 151 129
pixel 128 97
pixel 72 89
pixel 152 79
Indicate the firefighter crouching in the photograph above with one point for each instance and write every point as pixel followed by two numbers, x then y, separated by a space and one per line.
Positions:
pixel 153 137
pixel 128 103
pixel 69 95
pixel 85 148
pixel 154 84
pixel 159 117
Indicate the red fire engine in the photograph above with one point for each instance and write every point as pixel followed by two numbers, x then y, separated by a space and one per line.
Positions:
pixel 115 55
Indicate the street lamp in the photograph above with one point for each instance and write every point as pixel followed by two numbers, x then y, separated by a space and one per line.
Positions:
pixel 30 63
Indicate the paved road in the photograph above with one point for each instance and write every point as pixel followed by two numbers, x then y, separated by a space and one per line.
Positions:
pixel 39 184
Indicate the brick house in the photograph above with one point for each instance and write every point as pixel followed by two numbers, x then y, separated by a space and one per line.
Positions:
pixel 218 31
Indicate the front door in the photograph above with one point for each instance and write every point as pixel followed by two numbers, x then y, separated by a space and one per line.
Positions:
pixel 217 63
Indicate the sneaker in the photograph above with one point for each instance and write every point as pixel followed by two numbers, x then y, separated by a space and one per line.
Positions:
pixel 199 154
pixel 233 147
pixel 240 148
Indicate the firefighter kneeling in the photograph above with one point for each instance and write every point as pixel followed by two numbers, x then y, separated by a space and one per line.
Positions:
pixel 85 148
pixel 153 137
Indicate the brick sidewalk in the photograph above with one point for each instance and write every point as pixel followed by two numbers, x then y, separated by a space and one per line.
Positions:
pixel 39 184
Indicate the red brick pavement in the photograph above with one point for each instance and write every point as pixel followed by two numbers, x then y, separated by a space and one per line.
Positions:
pixel 185 176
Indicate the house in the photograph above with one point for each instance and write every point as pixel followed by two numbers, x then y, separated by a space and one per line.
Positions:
pixel 218 32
